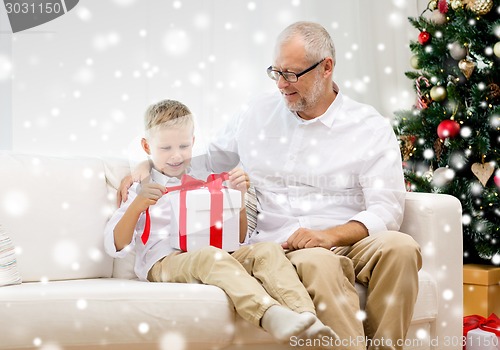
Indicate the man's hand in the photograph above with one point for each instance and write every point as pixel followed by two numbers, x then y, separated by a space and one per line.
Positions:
pixel 239 180
pixel 122 192
pixel 336 236
pixel 307 238
pixel 139 174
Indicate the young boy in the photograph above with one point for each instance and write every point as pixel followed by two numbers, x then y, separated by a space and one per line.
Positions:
pixel 259 279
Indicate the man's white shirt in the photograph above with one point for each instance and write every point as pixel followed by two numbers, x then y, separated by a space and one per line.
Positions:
pixel 344 165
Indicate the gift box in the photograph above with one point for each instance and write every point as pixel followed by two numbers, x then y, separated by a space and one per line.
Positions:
pixel 482 333
pixel 205 216
pixel 477 339
pixel 481 289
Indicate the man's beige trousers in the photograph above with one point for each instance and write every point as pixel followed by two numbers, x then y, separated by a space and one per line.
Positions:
pixel 387 263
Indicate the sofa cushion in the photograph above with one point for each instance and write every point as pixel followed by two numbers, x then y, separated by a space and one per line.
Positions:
pixel 110 311
pixel 9 273
pixel 56 210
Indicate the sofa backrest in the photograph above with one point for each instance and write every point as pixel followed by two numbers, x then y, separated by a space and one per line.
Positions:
pixel 55 210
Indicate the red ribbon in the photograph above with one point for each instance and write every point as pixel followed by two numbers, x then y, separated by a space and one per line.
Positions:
pixel 188 183
pixel 490 324
pixel 214 184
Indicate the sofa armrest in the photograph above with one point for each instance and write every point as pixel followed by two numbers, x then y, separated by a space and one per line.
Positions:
pixel 435 222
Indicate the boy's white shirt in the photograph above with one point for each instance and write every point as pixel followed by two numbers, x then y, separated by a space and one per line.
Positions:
pixel 158 244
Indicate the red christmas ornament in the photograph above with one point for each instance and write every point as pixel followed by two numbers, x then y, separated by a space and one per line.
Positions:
pixel 424 37
pixel 443 6
pixel 448 128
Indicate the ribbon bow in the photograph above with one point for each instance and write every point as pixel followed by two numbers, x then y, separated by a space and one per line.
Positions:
pixel 188 183
pixel 490 324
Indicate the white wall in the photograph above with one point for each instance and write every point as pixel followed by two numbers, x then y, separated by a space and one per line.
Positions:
pixel 82 82
pixel 5 82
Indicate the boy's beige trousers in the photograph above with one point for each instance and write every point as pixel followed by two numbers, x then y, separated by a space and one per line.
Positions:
pixel 255 277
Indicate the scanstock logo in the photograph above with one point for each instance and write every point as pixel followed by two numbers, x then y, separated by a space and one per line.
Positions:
pixel 25 14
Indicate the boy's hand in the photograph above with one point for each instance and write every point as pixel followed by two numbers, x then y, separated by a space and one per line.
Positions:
pixel 239 180
pixel 148 195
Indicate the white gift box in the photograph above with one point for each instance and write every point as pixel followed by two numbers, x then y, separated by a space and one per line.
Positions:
pixel 477 339
pixel 198 213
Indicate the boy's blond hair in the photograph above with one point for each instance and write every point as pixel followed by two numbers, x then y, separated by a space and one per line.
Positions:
pixel 167 113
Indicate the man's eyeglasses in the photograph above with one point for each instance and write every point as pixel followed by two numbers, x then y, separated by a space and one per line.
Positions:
pixel 291 77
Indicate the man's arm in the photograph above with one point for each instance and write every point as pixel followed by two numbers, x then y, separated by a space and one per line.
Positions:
pixel 139 174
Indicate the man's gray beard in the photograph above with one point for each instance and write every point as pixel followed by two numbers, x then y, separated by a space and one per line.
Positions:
pixel 306 102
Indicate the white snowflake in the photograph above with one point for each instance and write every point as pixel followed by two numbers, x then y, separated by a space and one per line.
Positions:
pixel 429 249
pixel 172 341
pixel 66 252
pixel 428 154
pixel 361 315
pixel 448 294
pixel 143 328
pixel 51 346
pixel 259 37
pixel 5 67
pixel 103 42
pixel 81 304
pixel 422 334
pixel 496 259
pixel 83 13
pixel 201 21
pixel 15 203
pixel 95 254
pixel 218 256
pixel 466 132
pixel 396 19
pixel 124 2
pixel 176 42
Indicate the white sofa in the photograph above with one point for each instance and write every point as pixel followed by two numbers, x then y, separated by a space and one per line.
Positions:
pixel 74 296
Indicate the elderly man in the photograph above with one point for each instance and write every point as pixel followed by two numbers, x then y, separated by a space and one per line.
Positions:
pixel 329 184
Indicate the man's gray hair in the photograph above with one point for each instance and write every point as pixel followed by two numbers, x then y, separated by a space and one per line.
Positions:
pixel 317 41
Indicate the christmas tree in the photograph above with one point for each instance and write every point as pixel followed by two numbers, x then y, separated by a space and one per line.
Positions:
pixel 450 138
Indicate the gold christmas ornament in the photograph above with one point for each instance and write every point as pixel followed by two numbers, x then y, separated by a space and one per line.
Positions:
pixel 455 4
pixel 480 7
pixel 414 62
pixel 406 146
pixel 483 171
pixel 467 67
pixel 438 93
pixel 442 176
pixel 429 174
pixel 457 51
pixel 496 49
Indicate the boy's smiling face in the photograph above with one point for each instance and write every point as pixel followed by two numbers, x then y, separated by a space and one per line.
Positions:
pixel 170 149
